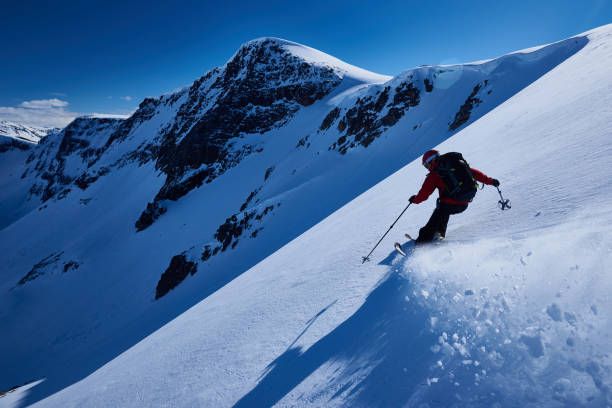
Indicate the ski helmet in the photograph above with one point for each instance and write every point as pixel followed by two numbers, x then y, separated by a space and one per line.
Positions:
pixel 429 156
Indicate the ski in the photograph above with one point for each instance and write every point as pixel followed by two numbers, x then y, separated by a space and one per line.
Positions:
pixel 398 248
pixel 409 237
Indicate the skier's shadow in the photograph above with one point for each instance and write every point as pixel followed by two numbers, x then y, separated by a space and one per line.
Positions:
pixel 387 340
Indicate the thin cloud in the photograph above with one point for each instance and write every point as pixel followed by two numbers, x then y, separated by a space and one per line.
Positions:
pixel 44 104
pixel 126 98
pixel 51 113
pixel 60 94
pixel 39 112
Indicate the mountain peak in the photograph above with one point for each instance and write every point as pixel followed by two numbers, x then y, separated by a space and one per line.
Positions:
pixel 266 41
pixel 272 50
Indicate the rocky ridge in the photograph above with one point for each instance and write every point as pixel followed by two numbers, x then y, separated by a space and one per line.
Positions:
pixel 258 90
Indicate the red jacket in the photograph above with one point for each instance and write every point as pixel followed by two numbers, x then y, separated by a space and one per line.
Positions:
pixel 433 181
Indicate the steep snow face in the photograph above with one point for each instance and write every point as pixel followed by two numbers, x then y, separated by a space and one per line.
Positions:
pixel 16 144
pixel 224 181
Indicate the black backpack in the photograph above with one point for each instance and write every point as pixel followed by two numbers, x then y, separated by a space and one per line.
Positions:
pixel 455 172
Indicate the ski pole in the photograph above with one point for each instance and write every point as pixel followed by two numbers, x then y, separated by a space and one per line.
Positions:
pixel 367 258
pixel 503 203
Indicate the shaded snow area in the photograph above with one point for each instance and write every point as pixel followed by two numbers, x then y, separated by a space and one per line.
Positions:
pixel 273 306
pixel 17 141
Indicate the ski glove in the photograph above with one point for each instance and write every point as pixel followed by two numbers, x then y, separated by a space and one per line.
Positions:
pixel 411 199
pixel 495 183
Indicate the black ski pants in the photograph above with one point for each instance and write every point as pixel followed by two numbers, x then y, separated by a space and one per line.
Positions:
pixel 439 220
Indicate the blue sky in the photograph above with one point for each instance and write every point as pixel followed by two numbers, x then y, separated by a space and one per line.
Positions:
pixel 65 58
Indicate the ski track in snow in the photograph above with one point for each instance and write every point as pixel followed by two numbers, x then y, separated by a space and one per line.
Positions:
pixel 511 310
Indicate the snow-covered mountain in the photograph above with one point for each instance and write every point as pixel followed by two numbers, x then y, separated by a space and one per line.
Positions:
pixel 206 251
pixel 16 143
pixel 25 134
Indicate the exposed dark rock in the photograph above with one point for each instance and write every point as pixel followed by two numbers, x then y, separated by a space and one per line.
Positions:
pixel 265 212
pixel 234 227
pixel 142 155
pixel 207 253
pixel 71 265
pixel 174 191
pixel 39 269
pixel 428 85
pixel 463 115
pixel 36 189
pixel 363 122
pixel 176 272
pixel 249 199
pixel 406 94
pixel 269 171
pixel 90 153
pixel 148 216
pixel 382 99
pixel 330 118
pixel 85 179
pixel 392 117
pixel 302 142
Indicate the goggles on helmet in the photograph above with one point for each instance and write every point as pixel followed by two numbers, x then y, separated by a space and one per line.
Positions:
pixel 427 162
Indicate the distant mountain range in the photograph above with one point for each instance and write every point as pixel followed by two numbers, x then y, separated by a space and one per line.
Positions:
pixel 17 136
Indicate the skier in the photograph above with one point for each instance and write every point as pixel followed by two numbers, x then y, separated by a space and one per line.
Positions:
pixel 456 182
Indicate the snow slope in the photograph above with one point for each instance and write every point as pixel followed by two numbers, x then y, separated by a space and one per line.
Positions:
pixel 511 310
pixel 310 325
